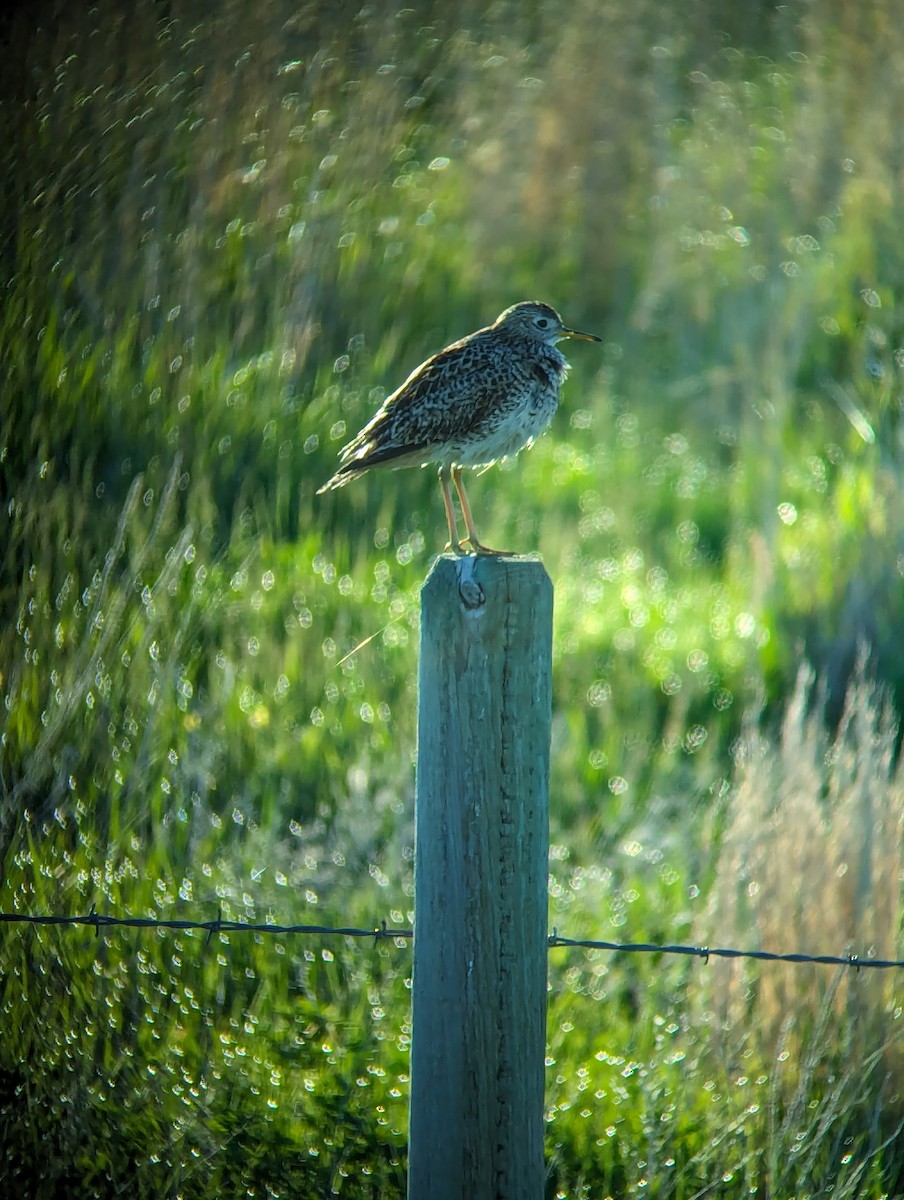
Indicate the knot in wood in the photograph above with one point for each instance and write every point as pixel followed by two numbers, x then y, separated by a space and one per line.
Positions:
pixel 472 594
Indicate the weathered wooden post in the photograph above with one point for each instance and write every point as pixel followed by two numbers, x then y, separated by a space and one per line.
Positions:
pixel 481 849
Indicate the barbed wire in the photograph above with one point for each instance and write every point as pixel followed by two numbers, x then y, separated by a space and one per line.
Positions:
pixel 708 952
pixel 382 932
pixel 219 924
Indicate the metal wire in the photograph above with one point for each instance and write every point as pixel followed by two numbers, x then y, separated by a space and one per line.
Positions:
pixel 383 932
pixel 708 952
pixel 221 924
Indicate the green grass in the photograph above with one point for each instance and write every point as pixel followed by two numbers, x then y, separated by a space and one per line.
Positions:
pixel 226 237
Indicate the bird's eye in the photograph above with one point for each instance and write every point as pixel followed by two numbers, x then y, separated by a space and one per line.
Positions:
pixel 542 322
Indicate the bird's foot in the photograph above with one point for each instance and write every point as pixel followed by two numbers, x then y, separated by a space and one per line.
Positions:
pixel 471 546
pixel 478 547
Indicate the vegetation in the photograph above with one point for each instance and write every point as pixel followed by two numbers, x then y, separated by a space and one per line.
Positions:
pixel 226 234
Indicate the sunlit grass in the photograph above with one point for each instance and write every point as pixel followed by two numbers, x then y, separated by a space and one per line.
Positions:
pixel 233 235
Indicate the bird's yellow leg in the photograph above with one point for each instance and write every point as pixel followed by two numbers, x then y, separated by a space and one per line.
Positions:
pixel 473 540
pixel 445 474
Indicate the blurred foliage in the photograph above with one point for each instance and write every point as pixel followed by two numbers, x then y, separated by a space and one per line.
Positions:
pixel 227 234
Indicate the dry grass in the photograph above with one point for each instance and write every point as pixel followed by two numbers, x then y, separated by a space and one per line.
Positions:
pixel 811 861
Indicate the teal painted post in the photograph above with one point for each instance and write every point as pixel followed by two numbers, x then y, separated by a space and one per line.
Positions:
pixel 481 854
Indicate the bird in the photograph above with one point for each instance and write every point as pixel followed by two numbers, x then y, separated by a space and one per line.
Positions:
pixel 480 400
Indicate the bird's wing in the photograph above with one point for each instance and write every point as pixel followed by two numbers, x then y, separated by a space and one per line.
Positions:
pixel 443 399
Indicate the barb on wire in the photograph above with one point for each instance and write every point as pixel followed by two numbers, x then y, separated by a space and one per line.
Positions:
pixel 382 932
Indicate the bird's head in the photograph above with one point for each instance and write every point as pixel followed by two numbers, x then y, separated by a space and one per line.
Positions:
pixel 536 320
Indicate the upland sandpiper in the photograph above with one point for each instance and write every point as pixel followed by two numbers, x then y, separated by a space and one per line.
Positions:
pixel 480 400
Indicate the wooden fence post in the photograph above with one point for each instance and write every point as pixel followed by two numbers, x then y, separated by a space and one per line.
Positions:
pixel 481 848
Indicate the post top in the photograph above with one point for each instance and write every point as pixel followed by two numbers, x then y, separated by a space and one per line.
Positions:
pixel 476 578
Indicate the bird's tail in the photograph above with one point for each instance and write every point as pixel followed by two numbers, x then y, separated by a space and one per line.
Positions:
pixel 343 476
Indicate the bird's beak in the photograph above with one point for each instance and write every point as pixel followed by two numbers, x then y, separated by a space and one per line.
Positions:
pixel 584 337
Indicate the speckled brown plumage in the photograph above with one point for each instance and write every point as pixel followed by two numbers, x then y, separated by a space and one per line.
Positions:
pixel 480 400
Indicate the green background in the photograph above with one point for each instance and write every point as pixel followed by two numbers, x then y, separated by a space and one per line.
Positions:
pixel 227 234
